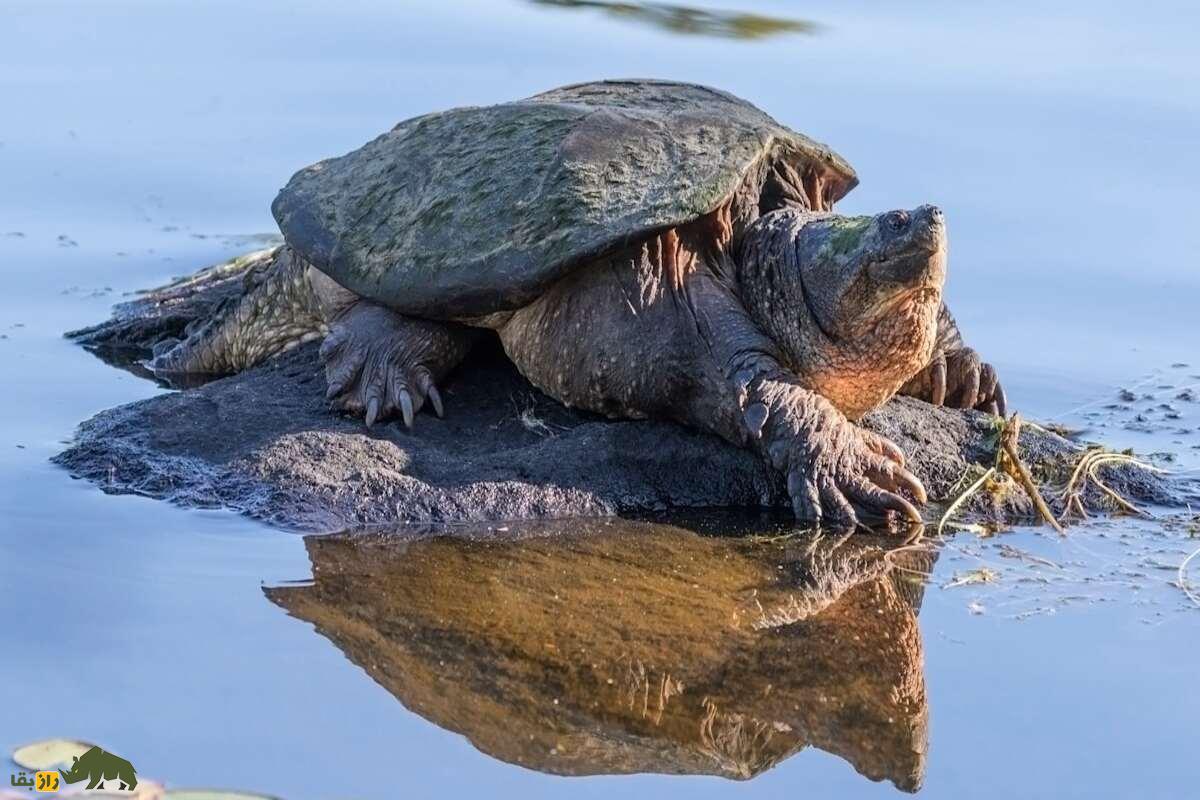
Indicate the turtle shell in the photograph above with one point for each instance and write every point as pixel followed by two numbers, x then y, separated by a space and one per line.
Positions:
pixel 476 210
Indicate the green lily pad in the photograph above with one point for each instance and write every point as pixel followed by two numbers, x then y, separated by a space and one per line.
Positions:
pixel 49 753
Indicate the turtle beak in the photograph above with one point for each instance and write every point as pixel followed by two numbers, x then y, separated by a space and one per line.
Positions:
pixel 914 250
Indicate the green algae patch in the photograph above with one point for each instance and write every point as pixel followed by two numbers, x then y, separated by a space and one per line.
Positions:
pixel 848 233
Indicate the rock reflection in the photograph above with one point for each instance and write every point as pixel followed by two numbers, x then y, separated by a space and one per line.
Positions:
pixel 692 21
pixel 581 648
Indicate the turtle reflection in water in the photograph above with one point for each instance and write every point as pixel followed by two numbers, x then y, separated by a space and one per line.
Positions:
pixel 622 647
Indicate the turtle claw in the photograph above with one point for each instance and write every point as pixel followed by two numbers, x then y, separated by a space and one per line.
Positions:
pixel 977 384
pixel 406 408
pixel 838 473
pixel 959 379
pixel 372 411
pixel 436 399
pixel 1001 402
pixel 383 390
pixel 381 365
pixel 937 373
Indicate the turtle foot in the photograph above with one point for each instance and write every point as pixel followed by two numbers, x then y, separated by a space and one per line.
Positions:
pixel 381 364
pixel 837 473
pixel 959 379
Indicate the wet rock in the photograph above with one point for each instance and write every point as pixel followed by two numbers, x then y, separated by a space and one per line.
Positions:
pixel 265 443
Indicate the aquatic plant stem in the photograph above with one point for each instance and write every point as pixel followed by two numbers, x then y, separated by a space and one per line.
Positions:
pixel 1183 581
pixel 1010 461
pixel 1088 468
pixel 962 498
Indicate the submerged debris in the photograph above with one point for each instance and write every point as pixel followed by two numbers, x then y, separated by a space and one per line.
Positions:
pixel 1008 551
pixel 981 575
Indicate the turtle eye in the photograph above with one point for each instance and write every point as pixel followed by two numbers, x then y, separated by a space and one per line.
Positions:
pixel 897 220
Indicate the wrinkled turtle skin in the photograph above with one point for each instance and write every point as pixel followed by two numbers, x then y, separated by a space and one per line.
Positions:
pixel 642 249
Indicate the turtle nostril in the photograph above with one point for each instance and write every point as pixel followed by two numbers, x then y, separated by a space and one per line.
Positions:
pixel 898 220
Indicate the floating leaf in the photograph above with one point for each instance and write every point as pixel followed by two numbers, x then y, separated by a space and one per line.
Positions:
pixel 49 753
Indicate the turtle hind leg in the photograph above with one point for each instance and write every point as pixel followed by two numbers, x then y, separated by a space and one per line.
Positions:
pixel 279 312
pixel 380 364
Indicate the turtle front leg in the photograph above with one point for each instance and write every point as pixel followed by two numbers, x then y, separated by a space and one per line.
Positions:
pixel 957 377
pixel 382 364
pixel 836 471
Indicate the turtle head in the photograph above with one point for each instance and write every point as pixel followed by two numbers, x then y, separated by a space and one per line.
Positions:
pixel 852 302
pixel 860 272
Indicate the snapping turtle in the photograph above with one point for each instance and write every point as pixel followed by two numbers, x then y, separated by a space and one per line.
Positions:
pixel 643 249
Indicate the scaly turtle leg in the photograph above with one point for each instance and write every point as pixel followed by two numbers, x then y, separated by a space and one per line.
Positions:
pixel 836 471
pixel 276 313
pixel 381 364
pixel 957 377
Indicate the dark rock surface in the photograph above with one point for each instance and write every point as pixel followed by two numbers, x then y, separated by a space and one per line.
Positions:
pixel 265 443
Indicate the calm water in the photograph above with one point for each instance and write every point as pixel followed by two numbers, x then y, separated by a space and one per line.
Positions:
pixel 139 140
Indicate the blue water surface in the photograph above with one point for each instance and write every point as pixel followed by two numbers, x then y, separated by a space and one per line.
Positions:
pixel 138 136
